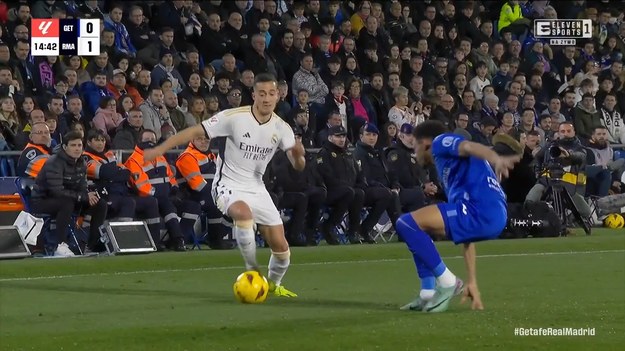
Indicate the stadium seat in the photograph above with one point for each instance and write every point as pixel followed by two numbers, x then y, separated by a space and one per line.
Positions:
pixel 24 188
pixel 618 154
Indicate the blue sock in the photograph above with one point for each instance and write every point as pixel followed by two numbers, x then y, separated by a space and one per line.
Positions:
pixel 424 252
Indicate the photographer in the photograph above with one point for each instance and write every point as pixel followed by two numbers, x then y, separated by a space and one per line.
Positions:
pixel 563 159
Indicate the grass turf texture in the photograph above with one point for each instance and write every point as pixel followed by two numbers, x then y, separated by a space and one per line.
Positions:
pixel 349 300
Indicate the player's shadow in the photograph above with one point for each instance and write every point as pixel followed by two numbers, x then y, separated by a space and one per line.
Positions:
pixel 128 290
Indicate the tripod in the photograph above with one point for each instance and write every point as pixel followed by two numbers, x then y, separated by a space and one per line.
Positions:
pixel 562 201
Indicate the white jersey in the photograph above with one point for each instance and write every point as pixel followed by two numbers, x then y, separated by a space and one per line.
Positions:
pixel 250 146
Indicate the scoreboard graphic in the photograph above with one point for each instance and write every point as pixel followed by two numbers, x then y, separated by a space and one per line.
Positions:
pixel 562 31
pixel 56 37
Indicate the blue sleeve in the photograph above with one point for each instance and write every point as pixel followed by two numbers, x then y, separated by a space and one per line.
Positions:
pixel 446 145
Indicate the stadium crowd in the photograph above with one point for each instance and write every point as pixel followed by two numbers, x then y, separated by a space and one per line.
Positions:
pixel 355 77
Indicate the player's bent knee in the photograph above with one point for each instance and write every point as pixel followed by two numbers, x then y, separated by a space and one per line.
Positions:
pixel 240 211
pixel 283 256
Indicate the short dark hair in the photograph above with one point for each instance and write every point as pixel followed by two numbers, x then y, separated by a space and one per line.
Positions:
pixel 71 135
pixel 95 133
pixel 429 130
pixel 265 78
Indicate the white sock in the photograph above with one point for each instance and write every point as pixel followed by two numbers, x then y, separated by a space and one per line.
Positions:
pixel 447 279
pixel 247 245
pixel 426 294
pixel 277 268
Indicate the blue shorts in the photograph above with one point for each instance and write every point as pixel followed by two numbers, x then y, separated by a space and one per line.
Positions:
pixel 467 222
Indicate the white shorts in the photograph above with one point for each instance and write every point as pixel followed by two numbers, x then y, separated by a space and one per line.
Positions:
pixel 264 211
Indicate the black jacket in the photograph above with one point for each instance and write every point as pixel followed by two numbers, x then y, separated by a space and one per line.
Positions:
pixel 374 167
pixel 63 178
pixel 288 179
pixel 403 165
pixel 338 167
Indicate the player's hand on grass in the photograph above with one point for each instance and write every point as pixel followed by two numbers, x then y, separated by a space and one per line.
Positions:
pixel 503 165
pixel 472 292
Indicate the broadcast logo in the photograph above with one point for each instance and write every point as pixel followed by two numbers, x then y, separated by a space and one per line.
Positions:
pixel 562 31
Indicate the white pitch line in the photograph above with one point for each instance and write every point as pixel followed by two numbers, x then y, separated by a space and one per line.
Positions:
pixel 222 268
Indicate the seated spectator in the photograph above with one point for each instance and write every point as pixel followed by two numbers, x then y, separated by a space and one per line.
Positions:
pixel 118 87
pixel 23 136
pixel 106 117
pixel 93 91
pixel 612 120
pixel 61 190
pixel 602 170
pixel 155 113
pixel 129 131
pixel 52 121
pixel 165 69
pixel 179 119
pixel 400 113
pixel 9 122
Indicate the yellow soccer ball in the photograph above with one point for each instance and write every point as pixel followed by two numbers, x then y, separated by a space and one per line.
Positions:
pixel 614 221
pixel 251 287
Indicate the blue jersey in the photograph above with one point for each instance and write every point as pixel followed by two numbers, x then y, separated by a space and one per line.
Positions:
pixel 465 178
pixel 476 204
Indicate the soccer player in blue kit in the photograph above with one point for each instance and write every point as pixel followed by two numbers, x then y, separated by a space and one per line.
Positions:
pixel 475 210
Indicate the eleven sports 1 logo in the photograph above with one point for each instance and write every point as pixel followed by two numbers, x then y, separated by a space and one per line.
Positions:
pixel 562 31
pixel 45 27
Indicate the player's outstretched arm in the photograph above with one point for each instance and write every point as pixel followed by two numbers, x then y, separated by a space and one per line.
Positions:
pixel 471 290
pixel 181 138
pixel 501 164
pixel 296 156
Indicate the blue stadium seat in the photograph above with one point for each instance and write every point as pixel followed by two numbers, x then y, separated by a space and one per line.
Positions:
pixel 618 154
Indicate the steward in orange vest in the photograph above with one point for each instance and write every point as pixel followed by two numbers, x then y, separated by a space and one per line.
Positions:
pixel 155 179
pixel 196 170
pixel 111 180
pixel 36 152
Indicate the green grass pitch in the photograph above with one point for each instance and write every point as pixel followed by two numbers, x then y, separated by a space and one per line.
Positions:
pixel 349 300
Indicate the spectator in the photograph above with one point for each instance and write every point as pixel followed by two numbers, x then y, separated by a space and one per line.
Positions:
pixel 151 54
pixel 167 70
pixel 118 87
pixel 612 120
pixel 93 91
pixel 129 131
pixel 586 117
pixel 309 79
pixel 155 114
pixel 106 118
pixel 179 119
pixel 113 21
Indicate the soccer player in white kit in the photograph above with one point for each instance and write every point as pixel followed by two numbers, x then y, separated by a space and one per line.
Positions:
pixel 253 134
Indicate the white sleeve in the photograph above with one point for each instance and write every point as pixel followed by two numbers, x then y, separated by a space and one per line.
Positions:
pixel 219 125
pixel 288 138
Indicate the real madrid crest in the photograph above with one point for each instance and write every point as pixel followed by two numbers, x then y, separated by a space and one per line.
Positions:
pixel 274 139
pixel 333 154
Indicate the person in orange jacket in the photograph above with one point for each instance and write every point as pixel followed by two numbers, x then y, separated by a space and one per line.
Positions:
pixel 156 179
pixel 196 170
pixel 36 153
pixel 110 179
